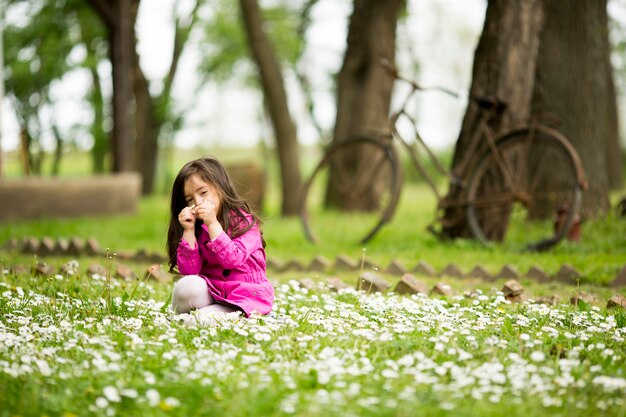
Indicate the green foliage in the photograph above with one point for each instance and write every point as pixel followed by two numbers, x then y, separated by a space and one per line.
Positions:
pixel 36 52
pixel 583 305
pixel 225 49
pixel 41 47
pixel 225 44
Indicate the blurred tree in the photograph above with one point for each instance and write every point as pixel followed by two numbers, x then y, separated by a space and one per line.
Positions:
pixel 2 7
pixel 505 62
pixel 93 37
pixel 576 37
pixel 137 149
pixel 364 88
pixel 614 31
pixel 617 32
pixel 119 17
pixel 36 52
pixel 40 51
pixel 546 57
pixel 276 102
pixel 154 111
pixel 275 38
pixel 302 69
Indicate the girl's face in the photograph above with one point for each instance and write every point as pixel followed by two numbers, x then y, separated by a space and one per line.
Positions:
pixel 198 191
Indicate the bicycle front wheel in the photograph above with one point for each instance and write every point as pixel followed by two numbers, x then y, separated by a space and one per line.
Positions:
pixel 352 192
pixel 527 192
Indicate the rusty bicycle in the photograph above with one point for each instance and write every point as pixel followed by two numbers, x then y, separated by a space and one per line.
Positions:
pixel 511 184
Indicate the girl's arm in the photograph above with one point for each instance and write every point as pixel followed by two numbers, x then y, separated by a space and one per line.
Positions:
pixel 187 254
pixel 233 253
pixel 188 258
pixel 189 236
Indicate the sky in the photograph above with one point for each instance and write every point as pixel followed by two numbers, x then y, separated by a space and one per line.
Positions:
pixel 441 34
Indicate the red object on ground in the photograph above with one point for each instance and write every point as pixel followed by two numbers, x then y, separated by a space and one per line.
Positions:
pixel 574 231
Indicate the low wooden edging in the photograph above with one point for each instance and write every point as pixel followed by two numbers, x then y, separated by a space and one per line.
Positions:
pixel 39 197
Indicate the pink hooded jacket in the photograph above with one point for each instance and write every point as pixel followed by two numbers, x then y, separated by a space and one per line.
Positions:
pixel 234 269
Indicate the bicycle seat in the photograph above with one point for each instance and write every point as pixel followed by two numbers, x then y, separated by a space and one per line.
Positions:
pixel 491 103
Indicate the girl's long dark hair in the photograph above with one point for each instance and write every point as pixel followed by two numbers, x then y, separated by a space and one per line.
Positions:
pixel 233 210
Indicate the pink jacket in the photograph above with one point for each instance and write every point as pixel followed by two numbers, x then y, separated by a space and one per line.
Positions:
pixel 234 269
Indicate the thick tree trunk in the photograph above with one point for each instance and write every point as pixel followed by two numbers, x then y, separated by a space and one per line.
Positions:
pixel 277 104
pixel 121 63
pixel 117 16
pixel 504 68
pixel 572 85
pixel 364 88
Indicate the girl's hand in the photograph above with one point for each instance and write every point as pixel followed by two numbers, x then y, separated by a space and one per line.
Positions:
pixel 207 212
pixel 187 218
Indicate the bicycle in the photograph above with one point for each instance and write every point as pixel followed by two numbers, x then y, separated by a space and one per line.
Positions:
pixel 523 173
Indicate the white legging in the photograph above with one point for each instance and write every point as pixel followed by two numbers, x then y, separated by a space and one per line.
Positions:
pixel 191 292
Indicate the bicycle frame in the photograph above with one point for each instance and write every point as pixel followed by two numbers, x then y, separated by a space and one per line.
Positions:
pixel 412 148
pixel 497 176
pixel 487 108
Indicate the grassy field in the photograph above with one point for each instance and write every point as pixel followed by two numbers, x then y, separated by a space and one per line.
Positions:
pixel 598 257
pixel 74 344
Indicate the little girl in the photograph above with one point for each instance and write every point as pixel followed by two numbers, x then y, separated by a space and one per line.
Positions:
pixel 215 240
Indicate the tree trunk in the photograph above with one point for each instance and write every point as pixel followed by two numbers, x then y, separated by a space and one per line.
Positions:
pixel 58 151
pixel 147 128
pixel 614 155
pixel 504 68
pixel 147 125
pixel 121 63
pixel 364 88
pixel 572 84
pixel 25 157
pixel 152 112
pixel 117 16
pixel 100 146
pixel 277 104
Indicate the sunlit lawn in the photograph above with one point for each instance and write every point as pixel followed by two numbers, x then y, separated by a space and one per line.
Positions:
pixel 598 257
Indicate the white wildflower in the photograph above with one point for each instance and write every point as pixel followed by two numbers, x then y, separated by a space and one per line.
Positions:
pixel 149 378
pixel 102 402
pixel 111 394
pixel 153 397
pixel 172 402
pixel 129 393
pixel 610 384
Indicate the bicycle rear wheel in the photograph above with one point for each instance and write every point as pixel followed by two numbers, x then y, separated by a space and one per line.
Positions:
pixel 352 192
pixel 516 193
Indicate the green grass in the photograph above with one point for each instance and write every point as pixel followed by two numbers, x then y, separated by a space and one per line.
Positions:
pixel 598 257
pixel 76 345
pixel 73 344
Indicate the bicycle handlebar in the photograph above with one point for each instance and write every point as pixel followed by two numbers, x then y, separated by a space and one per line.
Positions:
pixel 392 71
